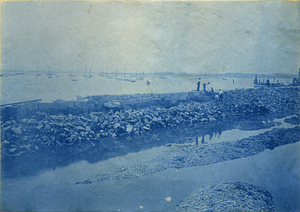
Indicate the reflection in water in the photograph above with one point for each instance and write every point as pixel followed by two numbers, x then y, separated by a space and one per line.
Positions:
pixel 203 133
pixel 215 134
pixel 183 156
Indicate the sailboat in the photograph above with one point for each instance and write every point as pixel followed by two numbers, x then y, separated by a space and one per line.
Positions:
pixel 107 75
pixel 172 75
pixel 102 74
pixel 49 74
pixel 117 78
pixel 161 75
pixel 72 76
pixel 37 73
pixel 90 74
pixel 125 76
pixel 20 73
pixel 131 80
pixel 11 73
pixel 56 73
pixel 140 77
pixel 3 75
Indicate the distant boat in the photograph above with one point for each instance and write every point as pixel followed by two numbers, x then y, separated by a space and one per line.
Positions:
pixel 224 78
pixel 118 78
pixel 3 75
pixel 56 74
pixel 20 73
pixel 131 80
pixel 257 83
pixel 148 83
pixel 49 74
pixel 11 74
pixel 102 74
pixel 72 76
pixel 270 85
pixel 38 74
pixel 88 76
pixel 140 77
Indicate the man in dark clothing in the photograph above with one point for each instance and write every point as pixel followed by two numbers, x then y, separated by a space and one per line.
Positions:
pixel 204 86
pixel 198 84
pixel 220 95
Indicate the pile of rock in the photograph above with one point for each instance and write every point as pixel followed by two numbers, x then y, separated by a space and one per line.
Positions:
pixel 293 120
pixel 202 155
pixel 228 196
pixel 237 102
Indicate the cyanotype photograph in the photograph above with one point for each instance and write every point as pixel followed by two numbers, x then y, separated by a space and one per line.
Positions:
pixel 150 106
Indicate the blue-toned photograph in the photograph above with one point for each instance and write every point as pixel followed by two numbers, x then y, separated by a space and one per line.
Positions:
pixel 150 106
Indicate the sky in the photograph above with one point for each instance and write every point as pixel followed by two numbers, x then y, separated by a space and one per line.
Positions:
pixel 190 37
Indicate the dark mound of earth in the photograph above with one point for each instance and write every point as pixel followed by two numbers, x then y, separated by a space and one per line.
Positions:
pixel 293 120
pixel 228 196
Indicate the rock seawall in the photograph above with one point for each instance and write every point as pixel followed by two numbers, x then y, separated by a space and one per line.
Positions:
pixel 100 103
pixel 43 130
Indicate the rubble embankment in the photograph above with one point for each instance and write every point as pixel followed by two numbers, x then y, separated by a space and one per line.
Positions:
pixel 200 155
pixel 43 130
pixel 293 120
pixel 228 196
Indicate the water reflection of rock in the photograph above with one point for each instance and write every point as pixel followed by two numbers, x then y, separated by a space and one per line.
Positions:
pixel 106 148
pixel 228 196
pixel 191 155
pixel 293 120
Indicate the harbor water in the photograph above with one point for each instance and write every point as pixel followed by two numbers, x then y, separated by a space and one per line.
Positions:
pixel 27 87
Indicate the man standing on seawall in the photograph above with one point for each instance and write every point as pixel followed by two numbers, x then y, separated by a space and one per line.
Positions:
pixel 198 84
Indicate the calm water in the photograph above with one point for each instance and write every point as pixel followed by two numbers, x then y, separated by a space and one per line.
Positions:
pixel 275 170
pixel 28 87
pixel 53 189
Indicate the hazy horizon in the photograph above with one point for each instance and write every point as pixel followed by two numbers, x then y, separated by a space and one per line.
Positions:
pixel 133 73
pixel 185 37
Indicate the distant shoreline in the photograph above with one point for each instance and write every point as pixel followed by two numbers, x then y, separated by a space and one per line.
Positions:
pixel 97 72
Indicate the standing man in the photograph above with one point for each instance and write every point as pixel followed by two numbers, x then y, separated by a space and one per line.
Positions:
pixel 220 95
pixel 198 84
pixel 204 86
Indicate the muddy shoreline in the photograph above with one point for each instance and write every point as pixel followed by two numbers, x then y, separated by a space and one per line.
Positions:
pixel 200 155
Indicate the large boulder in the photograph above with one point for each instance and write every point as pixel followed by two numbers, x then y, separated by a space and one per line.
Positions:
pixel 112 105
pixel 17 130
pixel 228 196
